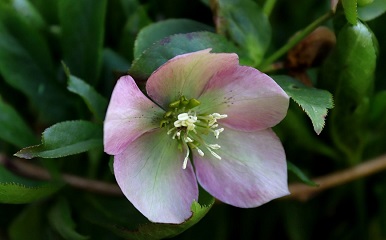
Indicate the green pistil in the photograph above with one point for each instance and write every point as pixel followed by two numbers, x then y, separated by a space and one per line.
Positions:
pixel 179 106
pixel 187 127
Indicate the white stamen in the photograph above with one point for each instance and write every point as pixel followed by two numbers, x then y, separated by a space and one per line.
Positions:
pixel 188 139
pixel 186 159
pixel 200 152
pixel 217 132
pixel 214 146
pixel 170 131
pixel 219 116
pixel 214 154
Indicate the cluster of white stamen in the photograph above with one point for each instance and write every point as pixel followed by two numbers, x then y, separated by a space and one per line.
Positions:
pixel 188 128
pixel 186 120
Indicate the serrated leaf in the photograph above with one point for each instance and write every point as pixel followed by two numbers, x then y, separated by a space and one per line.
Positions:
pixel 17 190
pixel 82 34
pixel 372 10
pixel 246 24
pixel 60 219
pixel 64 139
pixel 300 174
pixel 13 129
pixel 157 31
pixel 174 45
pixel 315 102
pixel 95 102
pixel 350 10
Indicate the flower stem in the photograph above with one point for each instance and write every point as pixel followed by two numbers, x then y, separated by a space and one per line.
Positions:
pixel 268 7
pixel 294 40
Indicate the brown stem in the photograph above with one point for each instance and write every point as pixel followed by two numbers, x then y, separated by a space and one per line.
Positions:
pixel 298 191
pixel 26 169
pixel 303 192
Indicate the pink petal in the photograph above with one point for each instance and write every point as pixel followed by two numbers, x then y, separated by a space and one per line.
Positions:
pixel 150 174
pixel 186 75
pixel 130 114
pixel 252 170
pixel 251 99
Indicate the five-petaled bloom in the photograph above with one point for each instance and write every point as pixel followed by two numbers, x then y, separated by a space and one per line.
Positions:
pixel 205 107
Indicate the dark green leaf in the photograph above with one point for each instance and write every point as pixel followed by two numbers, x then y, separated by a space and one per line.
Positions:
pixel 246 24
pixel 378 109
pixel 315 102
pixel 137 19
pixel 157 31
pixel 114 66
pixel 174 45
pixel 27 225
pixel 65 138
pixel 16 190
pixel 60 219
pixel 300 174
pixel 13 129
pixel 350 10
pixel 29 13
pixel 94 101
pixel 349 74
pixel 26 64
pixel 82 32
pixel 372 11
pixel 145 231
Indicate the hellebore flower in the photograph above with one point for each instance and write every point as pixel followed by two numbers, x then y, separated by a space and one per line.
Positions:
pixel 205 107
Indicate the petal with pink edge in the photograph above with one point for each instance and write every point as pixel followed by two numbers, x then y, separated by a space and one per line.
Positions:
pixel 252 170
pixel 130 114
pixel 186 75
pixel 150 174
pixel 251 99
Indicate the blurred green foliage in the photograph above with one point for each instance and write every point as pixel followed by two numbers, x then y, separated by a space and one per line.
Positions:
pixel 59 61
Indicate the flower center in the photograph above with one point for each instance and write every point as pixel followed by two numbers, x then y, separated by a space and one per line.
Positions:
pixel 187 127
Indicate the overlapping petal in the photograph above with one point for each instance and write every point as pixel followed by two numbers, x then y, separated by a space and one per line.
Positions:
pixel 252 170
pixel 150 174
pixel 130 114
pixel 251 99
pixel 186 75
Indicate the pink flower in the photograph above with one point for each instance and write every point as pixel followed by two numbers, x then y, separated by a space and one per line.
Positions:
pixel 205 107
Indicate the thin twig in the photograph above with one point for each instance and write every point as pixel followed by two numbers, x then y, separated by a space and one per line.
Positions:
pixel 303 192
pixel 298 191
pixel 26 169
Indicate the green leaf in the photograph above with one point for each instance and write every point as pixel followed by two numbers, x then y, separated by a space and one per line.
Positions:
pixel 60 219
pixel 17 190
pixel 13 129
pixel 372 10
pixel 247 25
pixel 95 102
pixel 137 18
pixel 64 139
pixel 300 174
pixel 145 231
pixel 349 74
pixel 27 225
pixel 29 13
pixel 82 32
pixel 350 10
pixel 174 45
pixel 315 102
pixel 157 31
pixel 114 65
pixel 26 64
